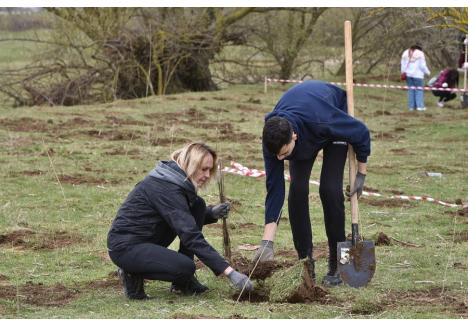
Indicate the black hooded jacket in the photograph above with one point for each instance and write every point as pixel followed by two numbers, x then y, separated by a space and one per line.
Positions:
pixel 161 204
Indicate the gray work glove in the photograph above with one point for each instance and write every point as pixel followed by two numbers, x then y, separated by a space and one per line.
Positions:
pixel 221 210
pixel 358 185
pixel 239 280
pixel 265 252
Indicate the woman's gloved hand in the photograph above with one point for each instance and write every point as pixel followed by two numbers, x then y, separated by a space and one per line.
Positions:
pixel 239 280
pixel 221 210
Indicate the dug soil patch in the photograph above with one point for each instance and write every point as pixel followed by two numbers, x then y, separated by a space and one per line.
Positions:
pixel 432 297
pixel 263 269
pixel 79 179
pixel 259 294
pixel 391 202
pixel 461 236
pixel 111 281
pixel 112 134
pixel 28 239
pixel 38 294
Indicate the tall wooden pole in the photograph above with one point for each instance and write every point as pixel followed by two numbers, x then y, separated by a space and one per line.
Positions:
pixel 222 199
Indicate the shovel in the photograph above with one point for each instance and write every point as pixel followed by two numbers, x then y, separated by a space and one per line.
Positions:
pixel 356 258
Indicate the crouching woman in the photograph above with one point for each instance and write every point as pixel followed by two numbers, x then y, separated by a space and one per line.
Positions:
pixel 163 206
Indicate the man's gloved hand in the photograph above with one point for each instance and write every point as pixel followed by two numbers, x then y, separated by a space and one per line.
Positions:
pixel 221 210
pixel 358 185
pixel 239 280
pixel 265 252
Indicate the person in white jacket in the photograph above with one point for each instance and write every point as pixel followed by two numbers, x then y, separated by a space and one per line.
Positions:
pixel 413 63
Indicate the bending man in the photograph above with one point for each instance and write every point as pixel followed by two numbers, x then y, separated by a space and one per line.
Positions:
pixel 310 117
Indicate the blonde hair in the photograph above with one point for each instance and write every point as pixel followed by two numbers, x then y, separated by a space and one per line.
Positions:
pixel 191 156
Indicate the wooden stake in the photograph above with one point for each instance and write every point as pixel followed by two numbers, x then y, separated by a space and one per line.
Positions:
pixel 222 199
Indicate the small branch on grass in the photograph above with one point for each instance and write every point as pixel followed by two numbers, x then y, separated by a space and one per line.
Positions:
pixel 408 244
pixel 53 169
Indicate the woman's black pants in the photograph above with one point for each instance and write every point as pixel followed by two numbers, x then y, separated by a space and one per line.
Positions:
pixel 444 96
pixel 155 261
pixel 331 195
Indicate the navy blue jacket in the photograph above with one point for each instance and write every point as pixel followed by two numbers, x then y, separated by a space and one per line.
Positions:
pixel 159 205
pixel 317 112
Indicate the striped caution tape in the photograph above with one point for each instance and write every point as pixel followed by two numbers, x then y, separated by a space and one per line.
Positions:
pixel 426 88
pixel 239 169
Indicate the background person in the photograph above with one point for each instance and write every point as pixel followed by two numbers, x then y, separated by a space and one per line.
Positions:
pixel 310 117
pixel 163 206
pixel 413 63
pixel 448 78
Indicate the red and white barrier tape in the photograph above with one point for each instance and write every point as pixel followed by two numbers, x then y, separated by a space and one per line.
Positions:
pixel 237 168
pixel 426 88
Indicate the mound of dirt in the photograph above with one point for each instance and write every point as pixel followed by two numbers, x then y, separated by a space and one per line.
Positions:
pixel 294 285
pixel 38 294
pixel 381 239
pixel 262 271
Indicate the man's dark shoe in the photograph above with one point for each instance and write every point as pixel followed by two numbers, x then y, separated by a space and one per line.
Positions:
pixel 331 280
pixel 133 285
pixel 333 276
pixel 190 287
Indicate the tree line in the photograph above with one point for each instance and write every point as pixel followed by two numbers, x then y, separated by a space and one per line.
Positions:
pixel 97 55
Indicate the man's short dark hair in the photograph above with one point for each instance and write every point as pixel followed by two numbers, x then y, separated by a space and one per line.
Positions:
pixel 277 132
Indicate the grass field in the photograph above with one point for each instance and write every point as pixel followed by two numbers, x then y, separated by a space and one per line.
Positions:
pixel 66 170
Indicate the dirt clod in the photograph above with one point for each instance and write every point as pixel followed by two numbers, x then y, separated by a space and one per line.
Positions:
pixel 382 239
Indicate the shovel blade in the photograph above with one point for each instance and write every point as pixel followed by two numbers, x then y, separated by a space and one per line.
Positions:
pixel 356 264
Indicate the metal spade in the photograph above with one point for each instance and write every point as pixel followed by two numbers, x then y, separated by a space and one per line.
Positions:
pixel 356 258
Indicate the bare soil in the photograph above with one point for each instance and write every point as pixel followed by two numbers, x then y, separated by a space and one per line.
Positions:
pixel 111 281
pixel 433 296
pixel 38 294
pixel 189 316
pixel 28 239
pixel 390 202
pixel 461 236
pixel 401 151
pixel 79 179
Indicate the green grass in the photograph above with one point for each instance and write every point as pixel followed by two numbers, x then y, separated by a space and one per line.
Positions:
pixel 106 166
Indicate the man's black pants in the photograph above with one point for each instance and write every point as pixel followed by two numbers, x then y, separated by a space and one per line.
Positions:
pixel 331 195
pixel 154 261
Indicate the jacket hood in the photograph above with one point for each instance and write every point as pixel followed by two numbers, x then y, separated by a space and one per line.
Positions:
pixel 169 171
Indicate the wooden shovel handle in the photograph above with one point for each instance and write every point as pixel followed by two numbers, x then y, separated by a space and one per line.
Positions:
pixel 350 98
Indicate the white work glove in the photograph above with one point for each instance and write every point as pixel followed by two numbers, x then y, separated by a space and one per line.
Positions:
pixel 465 65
